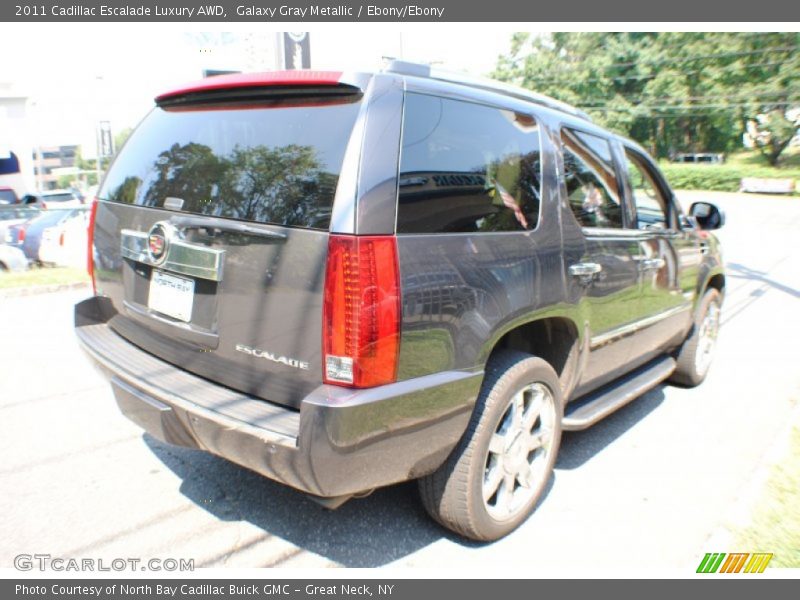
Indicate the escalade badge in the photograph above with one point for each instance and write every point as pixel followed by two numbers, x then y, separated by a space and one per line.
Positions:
pixel 284 360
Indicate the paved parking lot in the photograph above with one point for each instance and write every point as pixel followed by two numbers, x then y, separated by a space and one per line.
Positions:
pixel 652 482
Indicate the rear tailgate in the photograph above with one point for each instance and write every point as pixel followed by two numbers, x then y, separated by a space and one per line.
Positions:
pixel 211 233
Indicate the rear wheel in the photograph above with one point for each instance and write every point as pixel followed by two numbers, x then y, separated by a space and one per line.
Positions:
pixel 695 356
pixel 495 476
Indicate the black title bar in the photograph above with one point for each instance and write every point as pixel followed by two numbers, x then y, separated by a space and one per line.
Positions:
pixel 381 589
pixel 309 11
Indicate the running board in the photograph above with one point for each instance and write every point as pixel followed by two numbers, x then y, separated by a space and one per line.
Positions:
pixel 600 404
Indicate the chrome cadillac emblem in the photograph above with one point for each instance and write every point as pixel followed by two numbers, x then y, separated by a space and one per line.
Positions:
pixel 158 242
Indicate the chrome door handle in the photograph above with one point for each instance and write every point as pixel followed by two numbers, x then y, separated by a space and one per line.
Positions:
pixel 651 264
pixel 585 269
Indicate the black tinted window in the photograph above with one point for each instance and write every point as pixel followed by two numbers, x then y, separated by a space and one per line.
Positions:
pixel 277 162
pixel 466 167
pixel 591 180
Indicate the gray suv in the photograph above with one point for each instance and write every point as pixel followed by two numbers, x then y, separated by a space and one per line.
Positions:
pixel 345 280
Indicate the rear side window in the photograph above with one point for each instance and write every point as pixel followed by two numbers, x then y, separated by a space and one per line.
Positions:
pixel 591 180
pixel 7 197
pixel 467 168
pixel 275 162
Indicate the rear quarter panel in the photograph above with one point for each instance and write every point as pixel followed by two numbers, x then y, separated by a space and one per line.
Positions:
pixel 462 292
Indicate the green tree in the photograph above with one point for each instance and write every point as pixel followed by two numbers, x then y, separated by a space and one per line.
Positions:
pixel 121 137
pixel 672 91
pixel 774 131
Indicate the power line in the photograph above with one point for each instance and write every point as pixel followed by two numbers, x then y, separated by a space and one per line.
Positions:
pixel 644 99
pixel 682 106
pixel 705 57
pixel 696 58
pixel 549 79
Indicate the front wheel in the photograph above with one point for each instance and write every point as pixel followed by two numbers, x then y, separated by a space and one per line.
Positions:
pixel 496 475
pixel 695 355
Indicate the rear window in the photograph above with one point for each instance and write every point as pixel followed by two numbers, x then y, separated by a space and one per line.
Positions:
pixel 10 213
pixel 7 197
pixel 277 162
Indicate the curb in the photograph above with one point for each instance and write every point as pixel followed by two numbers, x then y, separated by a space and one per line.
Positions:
pixel 42 289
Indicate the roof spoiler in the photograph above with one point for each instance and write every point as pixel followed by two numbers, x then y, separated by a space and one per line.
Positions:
pixel 250 84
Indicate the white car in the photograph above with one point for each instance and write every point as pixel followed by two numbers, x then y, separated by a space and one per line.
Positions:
pixel 54 199
pixel 12 259
pixel 65 244
pixel 14 215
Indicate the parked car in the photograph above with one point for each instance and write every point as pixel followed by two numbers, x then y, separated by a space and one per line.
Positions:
pixel 14 214
pixel 699 157
pixel 54 199
pixel 12 259
pixel 8 196
pixel 64 244
pixel 28 235
pixel 347 281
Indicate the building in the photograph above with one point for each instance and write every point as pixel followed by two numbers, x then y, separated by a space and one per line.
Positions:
pixel 51 162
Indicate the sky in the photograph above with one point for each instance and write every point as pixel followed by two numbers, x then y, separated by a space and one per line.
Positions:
pixel 78 74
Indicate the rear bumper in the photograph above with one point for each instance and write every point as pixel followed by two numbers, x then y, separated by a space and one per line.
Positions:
pixel 341 442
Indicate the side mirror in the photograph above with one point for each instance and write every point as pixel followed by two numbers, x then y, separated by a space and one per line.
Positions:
pixel 707 215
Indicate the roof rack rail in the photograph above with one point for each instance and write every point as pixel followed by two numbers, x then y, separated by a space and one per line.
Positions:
pixel 401 67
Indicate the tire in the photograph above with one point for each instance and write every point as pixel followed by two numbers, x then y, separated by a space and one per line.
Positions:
pixel 493 453
pixel 695 355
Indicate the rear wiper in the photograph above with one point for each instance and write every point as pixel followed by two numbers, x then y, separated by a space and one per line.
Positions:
pixel 211 224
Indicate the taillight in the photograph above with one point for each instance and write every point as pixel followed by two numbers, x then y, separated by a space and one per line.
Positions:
pixel 21 235
pixel 43 206
pixel 90 245
pixel 361 315
pixel 61 239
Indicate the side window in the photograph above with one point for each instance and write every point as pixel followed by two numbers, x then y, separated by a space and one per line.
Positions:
pixel 651 207
pixel 591 180
pixel 467 168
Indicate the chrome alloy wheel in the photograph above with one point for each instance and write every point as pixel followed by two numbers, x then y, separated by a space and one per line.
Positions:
pixel 707 338
pixel 519 451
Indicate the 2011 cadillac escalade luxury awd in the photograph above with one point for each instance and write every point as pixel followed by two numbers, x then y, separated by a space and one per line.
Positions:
pixel 343 281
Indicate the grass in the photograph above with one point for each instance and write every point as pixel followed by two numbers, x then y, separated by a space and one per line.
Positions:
pixel 43 276
pixel 775 525
pixel 789 159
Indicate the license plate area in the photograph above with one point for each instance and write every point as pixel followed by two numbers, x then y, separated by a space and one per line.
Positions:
pixel 171 295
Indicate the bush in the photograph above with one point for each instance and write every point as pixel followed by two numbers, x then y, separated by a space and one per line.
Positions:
pixel 722 178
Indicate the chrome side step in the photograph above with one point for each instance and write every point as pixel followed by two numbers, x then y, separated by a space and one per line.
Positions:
pixel 600 404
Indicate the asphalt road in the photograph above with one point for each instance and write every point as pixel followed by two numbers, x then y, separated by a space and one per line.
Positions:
pixel 642 490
